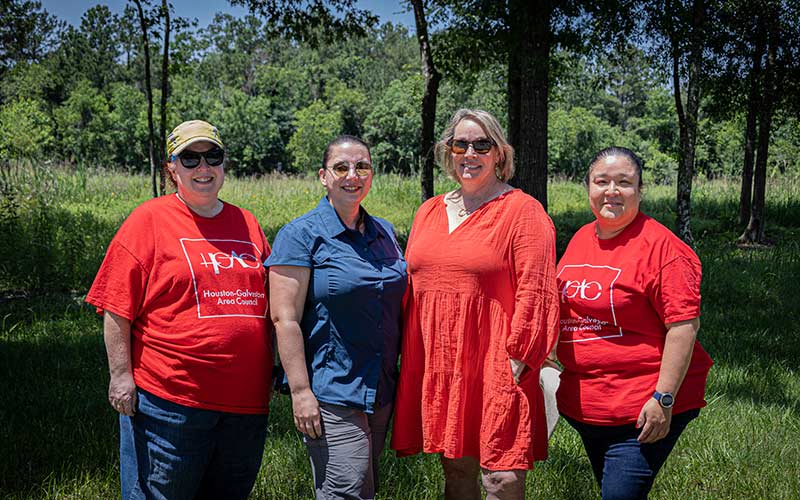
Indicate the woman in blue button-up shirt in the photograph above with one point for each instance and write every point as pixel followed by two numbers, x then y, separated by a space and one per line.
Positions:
pixel 337 279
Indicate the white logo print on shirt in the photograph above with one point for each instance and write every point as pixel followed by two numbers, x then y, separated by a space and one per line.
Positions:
pixel 222 260
pixel 572 289
pixel 227 276
pixel 595 284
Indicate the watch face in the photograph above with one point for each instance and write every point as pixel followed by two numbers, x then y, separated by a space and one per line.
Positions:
pixel 667 400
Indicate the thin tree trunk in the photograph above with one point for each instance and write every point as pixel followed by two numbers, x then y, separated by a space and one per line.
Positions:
pixel 162 138
pixel 432 79
pixel 687 118
pixel 149 92
pixel 529 84
pixel 754 233
pixel 753 102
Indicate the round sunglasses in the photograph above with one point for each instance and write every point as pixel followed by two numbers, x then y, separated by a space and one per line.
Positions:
pixel 341 169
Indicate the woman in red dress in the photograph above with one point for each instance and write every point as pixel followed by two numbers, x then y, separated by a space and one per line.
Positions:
pixel 480 318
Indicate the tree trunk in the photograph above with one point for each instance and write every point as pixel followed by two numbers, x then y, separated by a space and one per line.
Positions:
pixel 753 102
pixel 513 84
pixel 432 78
pixel 149 92
pixel 531 40
pixel 687 119
pixel 162 138
pixel 754 233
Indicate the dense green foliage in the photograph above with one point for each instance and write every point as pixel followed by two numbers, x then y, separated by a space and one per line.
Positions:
pixel 73 150
pixel 75 94
pixel 59 436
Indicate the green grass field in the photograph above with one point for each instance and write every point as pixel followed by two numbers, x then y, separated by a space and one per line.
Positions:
pixel 58 435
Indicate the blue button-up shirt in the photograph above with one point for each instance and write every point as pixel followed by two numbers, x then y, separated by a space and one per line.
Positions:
pixel 351 320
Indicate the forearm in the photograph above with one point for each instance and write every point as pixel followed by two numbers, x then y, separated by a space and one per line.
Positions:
pixel 292 353
pixel 534 320
pixel 677 355
pixel 121 387
pixel 117 337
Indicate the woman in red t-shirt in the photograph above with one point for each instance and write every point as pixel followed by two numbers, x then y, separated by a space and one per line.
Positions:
pixel 634 374
pixel 479 320
pixel 182 291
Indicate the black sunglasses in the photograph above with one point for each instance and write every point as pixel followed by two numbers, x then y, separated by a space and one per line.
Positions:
pixel 481 146
pixel 190 159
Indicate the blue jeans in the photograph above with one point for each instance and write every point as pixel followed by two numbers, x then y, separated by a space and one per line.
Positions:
pixel 623 467
pixel 172 452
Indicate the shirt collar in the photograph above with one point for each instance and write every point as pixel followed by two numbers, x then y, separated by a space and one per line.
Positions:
pixel 334 225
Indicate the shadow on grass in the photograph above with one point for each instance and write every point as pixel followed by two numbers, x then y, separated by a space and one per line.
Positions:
pixel 53 376
pixel 50 249
pixel 56 420
pixel 572 463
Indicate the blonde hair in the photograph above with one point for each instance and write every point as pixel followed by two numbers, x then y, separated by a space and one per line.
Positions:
pixel 490 125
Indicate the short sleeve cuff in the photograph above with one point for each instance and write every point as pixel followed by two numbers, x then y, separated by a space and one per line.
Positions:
pixel 270 262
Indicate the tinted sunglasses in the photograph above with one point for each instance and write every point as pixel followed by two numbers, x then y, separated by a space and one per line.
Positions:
pixel 481 146
pixel 341 169
pixel 190 159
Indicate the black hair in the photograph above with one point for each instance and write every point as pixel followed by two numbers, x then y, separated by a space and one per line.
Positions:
pixel 342 139
pixel 637 162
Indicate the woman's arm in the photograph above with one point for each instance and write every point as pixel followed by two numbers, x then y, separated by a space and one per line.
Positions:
pixel 288 286
pixel 535 319
pixel 121 388
pixel 653 419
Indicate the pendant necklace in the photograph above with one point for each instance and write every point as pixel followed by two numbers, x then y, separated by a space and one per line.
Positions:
pixel 464 211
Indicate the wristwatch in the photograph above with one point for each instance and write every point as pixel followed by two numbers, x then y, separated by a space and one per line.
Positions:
pixel 665 399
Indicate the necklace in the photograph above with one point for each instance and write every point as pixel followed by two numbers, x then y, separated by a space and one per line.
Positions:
pixel 464 211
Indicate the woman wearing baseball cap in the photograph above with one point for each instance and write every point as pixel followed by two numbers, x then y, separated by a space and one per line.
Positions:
pixel 182 292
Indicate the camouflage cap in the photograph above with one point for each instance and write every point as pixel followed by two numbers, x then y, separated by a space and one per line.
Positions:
pixel 190 132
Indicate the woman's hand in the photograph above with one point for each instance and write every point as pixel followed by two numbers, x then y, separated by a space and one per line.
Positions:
pixel 121 388
pixel 287 291
pixel 517 367
pixel 122 393
pixel 654 420
pixel 305 408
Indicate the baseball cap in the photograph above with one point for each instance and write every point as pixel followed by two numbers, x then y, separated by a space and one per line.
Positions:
pixel 190 132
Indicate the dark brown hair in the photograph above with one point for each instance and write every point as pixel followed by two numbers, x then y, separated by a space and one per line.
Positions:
pixel 617 151
pixel 342 139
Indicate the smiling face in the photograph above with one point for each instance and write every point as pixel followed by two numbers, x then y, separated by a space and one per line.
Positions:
pixel 199 184
pixel 350 189
pixel 474 170
pixel 614 194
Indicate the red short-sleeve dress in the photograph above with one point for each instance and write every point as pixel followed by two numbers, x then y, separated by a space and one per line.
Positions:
pixel 480 295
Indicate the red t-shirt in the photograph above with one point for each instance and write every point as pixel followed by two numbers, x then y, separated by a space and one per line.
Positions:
pixel 616 296
pixel 194 289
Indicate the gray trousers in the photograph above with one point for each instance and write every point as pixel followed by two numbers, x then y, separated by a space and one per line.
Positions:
pixel 345 459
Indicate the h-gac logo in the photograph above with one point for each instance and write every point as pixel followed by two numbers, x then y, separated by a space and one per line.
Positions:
pixel 588 288
pixel 222 260
pixel 228 277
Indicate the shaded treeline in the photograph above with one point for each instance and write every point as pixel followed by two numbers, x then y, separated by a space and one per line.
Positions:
pixel 690 85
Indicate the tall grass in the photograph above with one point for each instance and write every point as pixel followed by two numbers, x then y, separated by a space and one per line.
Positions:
pixel 58 436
